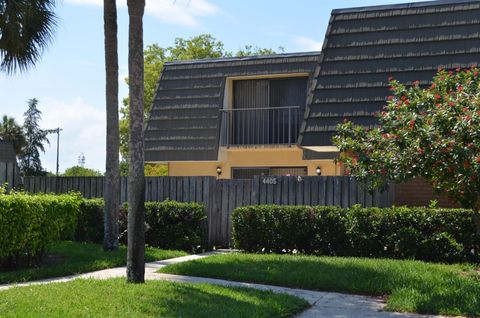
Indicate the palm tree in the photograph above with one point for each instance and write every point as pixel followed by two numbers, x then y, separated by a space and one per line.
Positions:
pixel 112 169
pixel 12 132
pixel 26 28
pixel 136 181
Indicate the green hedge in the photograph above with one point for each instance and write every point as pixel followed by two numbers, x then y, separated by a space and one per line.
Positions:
pixel 169 224
pixel 29 223
pixel 90 221
pixel 445 235
pixel 175 225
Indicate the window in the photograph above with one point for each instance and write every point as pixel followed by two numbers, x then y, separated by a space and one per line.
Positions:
pixel 266 111
pixel 249 173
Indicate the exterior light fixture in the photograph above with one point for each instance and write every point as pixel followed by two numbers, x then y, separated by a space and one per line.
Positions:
pixel 219 171
pixel 319 171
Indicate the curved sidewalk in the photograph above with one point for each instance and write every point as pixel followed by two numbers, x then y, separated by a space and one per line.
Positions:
pixel 323 304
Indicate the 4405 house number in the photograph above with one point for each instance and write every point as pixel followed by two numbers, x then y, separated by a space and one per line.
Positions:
pixel 270 180
pixel 273 180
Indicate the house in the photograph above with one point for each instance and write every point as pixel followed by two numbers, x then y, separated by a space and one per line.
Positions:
pixel 275 115
pixel 9 172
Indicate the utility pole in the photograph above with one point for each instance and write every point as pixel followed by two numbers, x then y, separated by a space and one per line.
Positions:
pixel 56 131
pixel 58 147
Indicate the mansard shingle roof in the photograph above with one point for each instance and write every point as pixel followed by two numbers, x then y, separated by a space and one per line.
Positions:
pixel 364 46
pixel 184 122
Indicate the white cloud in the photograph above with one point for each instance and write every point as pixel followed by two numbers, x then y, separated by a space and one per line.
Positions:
pixel 83 132
pixel 179 12
pixel 307 44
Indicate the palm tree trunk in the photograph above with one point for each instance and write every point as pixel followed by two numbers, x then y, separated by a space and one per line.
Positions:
pixel 136 181
pixel 112 169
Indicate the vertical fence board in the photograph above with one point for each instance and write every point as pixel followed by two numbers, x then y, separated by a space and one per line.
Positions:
pixel 337 190
pixel 298 191
pixel 3 173
pixel 329 191
pixel 345 192
pixel 307 191
pixel 314 195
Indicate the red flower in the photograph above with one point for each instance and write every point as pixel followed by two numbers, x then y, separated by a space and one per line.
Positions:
pixel 460 88
pixel 390 97
pixel 465 109
pixel 451 104
pixel 347 172
pixel 457 69
pixel 416 83
pixel 475 73
pixel 345 120
pixel 411 123
pixel 390 78
pixel 438 96
pixel 433 86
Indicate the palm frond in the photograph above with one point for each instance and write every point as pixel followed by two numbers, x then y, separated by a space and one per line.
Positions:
pixel 26 29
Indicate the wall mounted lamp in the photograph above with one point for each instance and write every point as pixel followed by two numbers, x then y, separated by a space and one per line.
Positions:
pixel 319 171
pixel 219 171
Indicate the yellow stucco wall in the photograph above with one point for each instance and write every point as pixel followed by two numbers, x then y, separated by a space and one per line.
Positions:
pixel 252 157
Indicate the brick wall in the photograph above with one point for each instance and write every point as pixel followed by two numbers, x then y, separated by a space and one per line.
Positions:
pixel 419 193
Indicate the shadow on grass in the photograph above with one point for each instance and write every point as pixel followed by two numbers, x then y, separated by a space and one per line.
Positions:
pixel 409 285
pixel 115 298
pixel 74 258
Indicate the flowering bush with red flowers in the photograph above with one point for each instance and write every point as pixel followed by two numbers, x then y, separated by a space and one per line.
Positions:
pixel 430 131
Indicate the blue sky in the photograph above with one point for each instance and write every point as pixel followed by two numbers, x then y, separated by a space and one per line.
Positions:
pixel 69 79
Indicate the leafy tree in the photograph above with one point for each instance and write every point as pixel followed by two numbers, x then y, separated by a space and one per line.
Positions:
pixel 197 47
pixel 124 168
pixel 151 170
pixel 79 171
pixel 430 132
pixel 155 170
pixel 12 132
pixel 112 170
pixel 136 180
pixel 249 50
pixel 30 163
pixel 26 28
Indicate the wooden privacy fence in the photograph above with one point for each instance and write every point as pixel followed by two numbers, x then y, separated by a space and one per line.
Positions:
pixel 9 174
pixel 221 197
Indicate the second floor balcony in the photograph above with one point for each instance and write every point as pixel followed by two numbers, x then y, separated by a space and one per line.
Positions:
pixel 260 126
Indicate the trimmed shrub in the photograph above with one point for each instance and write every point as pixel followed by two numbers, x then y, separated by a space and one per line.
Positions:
pixel 169 224
pixel 440 235
pixel 90 221
pixel 29 223
pixel 175 225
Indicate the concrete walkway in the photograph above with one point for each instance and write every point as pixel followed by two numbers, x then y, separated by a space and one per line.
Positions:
pixel 324 304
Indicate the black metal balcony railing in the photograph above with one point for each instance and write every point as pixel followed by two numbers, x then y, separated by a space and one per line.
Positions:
pixel 260 126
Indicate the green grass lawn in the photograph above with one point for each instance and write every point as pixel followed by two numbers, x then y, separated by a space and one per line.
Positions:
pixel 410 286
pixel 116 298
pixel 66 258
